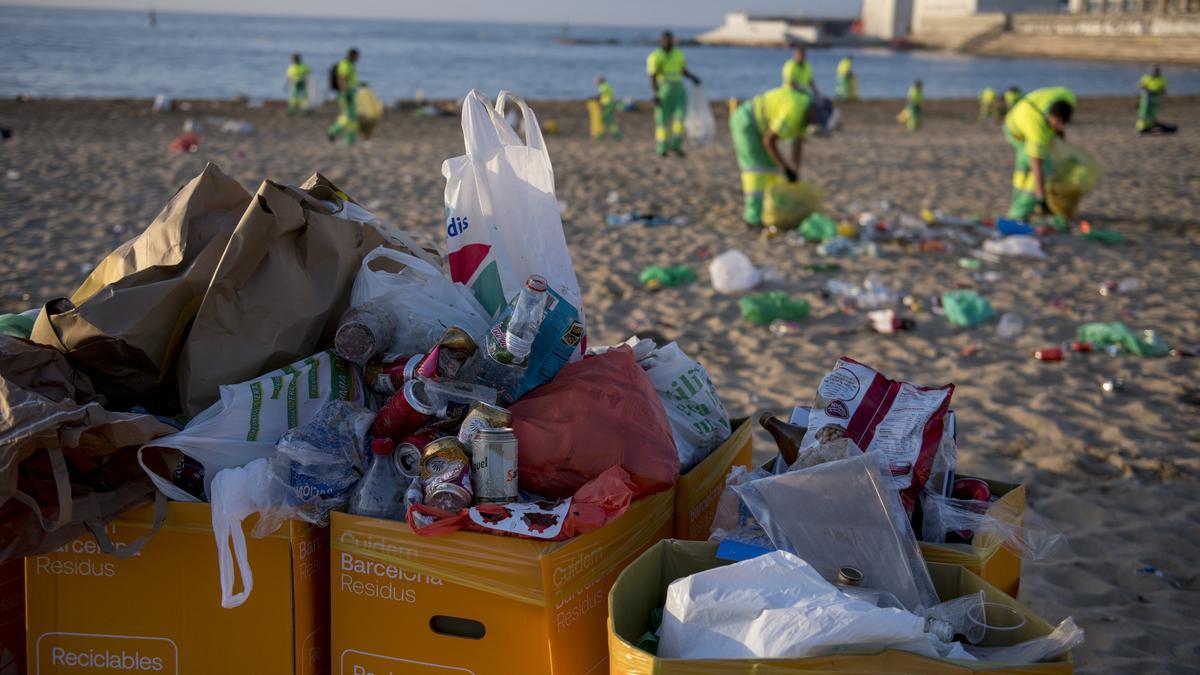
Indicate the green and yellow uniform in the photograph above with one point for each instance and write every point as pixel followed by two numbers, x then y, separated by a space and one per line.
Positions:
pixel 297 78
pixel 347 121
pixel 916 97
pixel 666 67
pixel 1011 96
pixel 608 112
pixel 1153 88
pixel 987 103
pixel 783 110
pixel 1027 128
pixel 798 75
pixel 847 83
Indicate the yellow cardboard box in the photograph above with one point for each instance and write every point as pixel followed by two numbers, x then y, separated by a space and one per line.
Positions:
pixel 985 555
pixel 479 603
pixel 643 586
pixel 699 490
pixel 159 611
pixel 12 617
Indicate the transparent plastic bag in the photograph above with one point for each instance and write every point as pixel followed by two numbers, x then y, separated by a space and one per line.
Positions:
pixel 985 523
pixel 1065 637
pixel 316 466
pixel 700 124
pixel 845 512
pixel 733 521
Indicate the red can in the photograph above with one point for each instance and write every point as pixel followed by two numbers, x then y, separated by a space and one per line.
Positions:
pixel 403 413
pixel 1052 354
pixel 389 375
pixel 1078 346
pixel 972 489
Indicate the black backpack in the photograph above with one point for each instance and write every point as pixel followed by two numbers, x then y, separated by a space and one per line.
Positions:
pixel 333 78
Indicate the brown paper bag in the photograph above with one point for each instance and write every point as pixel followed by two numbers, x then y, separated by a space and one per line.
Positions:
pixel 67 465
pixel 277 293
pixel 126 323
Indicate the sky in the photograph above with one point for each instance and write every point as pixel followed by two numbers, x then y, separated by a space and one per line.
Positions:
pixel 681 13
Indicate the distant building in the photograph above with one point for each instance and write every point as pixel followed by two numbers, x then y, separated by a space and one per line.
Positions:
pixel 1134 6
pixel 887 19
pixel 741 28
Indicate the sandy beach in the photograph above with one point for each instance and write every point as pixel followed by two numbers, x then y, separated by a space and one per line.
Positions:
pixel 1118 473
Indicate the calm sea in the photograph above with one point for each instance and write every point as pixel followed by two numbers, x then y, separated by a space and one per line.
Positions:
pixel 77 53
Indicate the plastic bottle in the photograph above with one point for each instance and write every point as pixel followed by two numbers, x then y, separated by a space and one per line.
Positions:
pixel 1011 325
pixel 380 493
pixel 787 436
pixel 526 318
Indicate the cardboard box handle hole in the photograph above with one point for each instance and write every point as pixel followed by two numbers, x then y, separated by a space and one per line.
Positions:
pixel 455 626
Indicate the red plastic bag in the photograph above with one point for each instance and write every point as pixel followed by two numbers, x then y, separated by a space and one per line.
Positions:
pixel 597 413
pixel 595 505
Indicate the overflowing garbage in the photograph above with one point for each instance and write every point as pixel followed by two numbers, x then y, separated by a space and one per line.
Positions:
pixel 826 539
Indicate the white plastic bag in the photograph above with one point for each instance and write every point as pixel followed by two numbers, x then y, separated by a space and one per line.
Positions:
pixel 699 423
pixel 732 272
pixel 419 296
pixel 700 124
pixel 1018 244
pixel 250 417
pixel 502 218
pixel 772 606
pixel 236 493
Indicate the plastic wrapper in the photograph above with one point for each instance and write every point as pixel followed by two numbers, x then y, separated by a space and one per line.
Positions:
pixel 732 520
pixel 763 308
pixel 989 523
pixel 845 513
pixel 699 423
pixel 773 606
pixel 904 422
pixel 967 308
pixel 316 466
pixel 1065 637
pixel 787 204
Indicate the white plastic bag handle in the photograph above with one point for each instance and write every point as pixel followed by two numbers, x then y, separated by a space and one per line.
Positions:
pixel 533 131
pixel 233 493
pixel 399 257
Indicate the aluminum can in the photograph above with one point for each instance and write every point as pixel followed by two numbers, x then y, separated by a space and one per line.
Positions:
pixel 483 416
pixel 494 465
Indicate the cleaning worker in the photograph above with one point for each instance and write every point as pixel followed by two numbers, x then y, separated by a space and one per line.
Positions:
pixel 344 79
pixel 1153 88
pixel 297 85
pixel 798 72
pixel 987 104
pixel 608 109
pixel 667 67
pixel 1031 126
pixel 916 98
pixel 847 82
pixel 757 127
pixel 1011 96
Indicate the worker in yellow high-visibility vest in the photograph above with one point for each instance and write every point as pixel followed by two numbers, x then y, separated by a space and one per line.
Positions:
pixel 297 85
pixel 1153 88
pixel 1031 127
pixel 667 67
pixel 915 106
pixel 987 104
pixel 757 126
pixel 345 76
pixel 847 82
pixel 1011 96
pixel 798 72
pixel 608 109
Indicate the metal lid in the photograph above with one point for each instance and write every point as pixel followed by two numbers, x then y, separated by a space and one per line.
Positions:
pixel 490 433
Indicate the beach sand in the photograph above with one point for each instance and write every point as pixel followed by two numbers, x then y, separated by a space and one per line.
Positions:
pixel 1118 474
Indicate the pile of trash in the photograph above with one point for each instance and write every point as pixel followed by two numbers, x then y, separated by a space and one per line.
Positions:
pixel 824 539
pixel 288 354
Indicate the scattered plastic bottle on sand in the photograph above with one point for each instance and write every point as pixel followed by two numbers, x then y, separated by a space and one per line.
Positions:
pixel 380 493
pixel 1011 325
pixel 526 318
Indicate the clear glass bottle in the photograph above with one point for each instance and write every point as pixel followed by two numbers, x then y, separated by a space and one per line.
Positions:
pixel 526 318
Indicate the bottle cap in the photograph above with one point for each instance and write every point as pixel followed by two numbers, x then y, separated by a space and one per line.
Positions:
pixel 382 446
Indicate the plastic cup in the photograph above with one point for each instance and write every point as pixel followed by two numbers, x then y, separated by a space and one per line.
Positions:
pixel 1001 624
